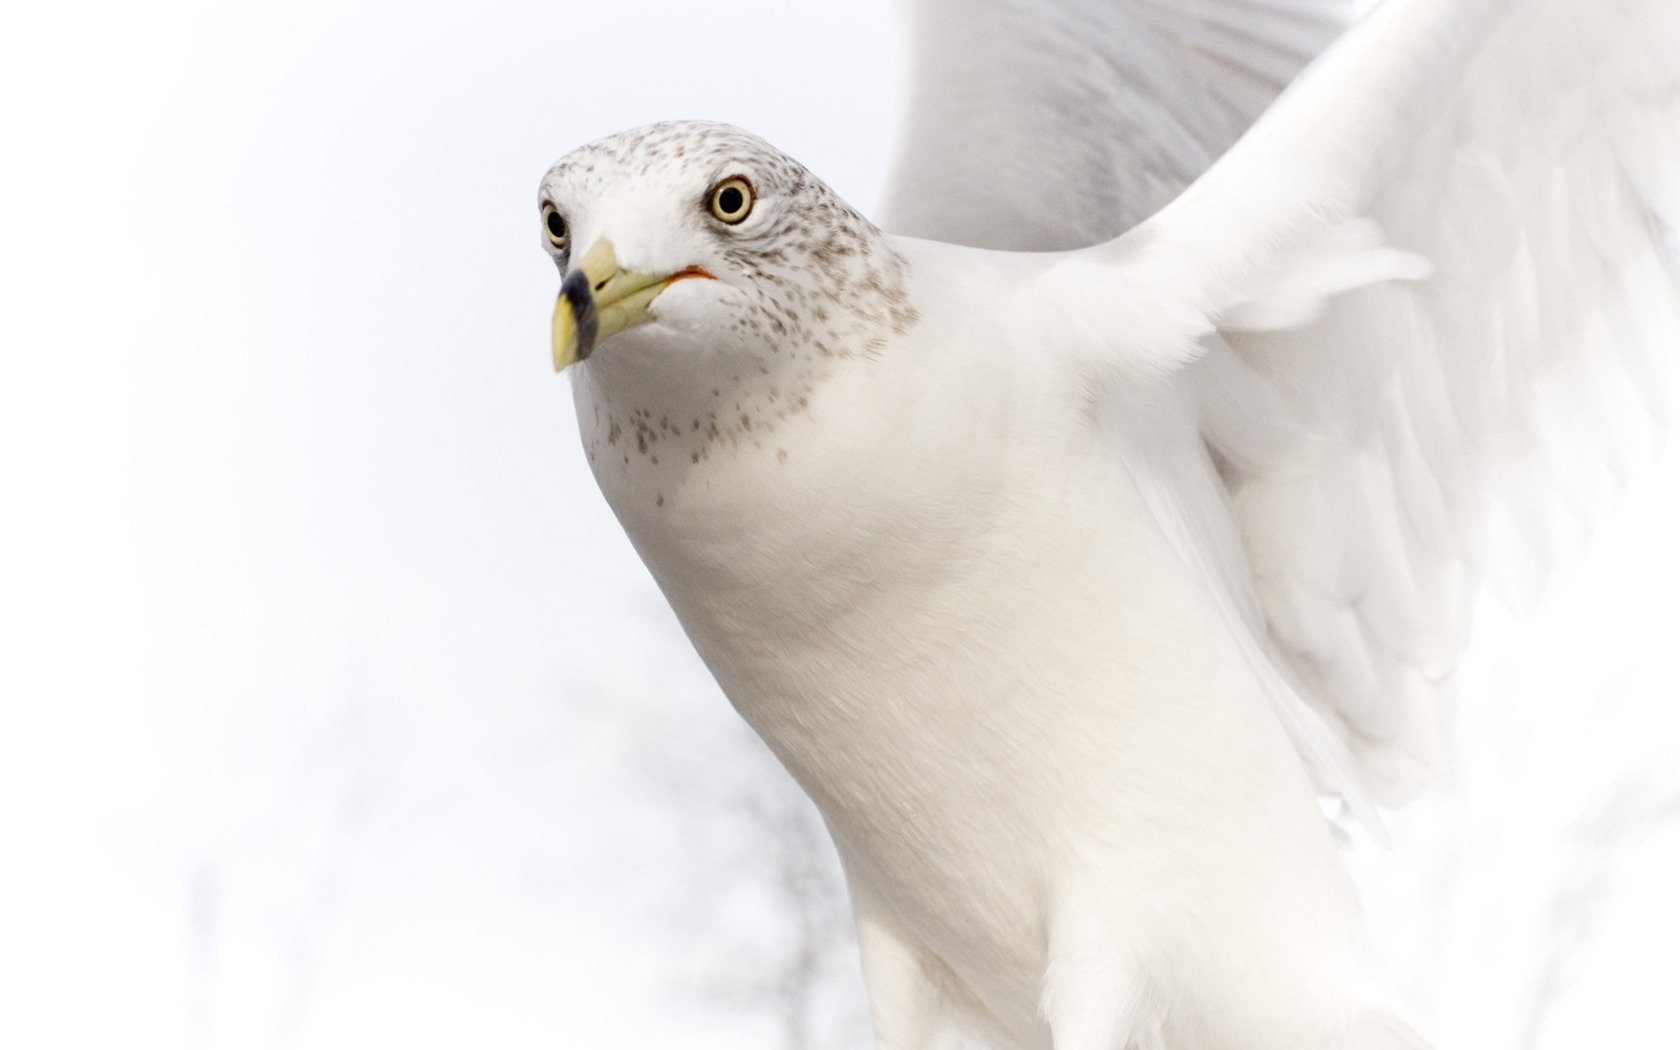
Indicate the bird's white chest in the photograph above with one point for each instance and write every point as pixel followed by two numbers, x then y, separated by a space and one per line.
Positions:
pixel 965 635
pixel 959 680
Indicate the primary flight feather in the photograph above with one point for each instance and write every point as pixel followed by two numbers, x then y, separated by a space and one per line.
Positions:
pixel 1065 562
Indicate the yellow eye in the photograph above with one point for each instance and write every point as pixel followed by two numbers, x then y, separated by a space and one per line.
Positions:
pixel 732 200
pixel 555 223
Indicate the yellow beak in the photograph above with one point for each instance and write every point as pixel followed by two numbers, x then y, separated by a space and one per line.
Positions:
pixel 597 299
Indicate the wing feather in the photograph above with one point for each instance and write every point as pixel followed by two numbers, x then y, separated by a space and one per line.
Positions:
pixel 1446 256
pixel 1058 124
pixel 1425 309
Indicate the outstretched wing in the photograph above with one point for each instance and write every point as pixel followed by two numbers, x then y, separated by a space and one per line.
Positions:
pixel 1430 294
pixel 1045 124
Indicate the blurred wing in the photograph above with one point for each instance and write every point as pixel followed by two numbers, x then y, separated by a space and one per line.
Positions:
pixel 1429 295
pixel 1043 124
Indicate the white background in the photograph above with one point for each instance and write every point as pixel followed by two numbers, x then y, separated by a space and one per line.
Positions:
pixel 338 712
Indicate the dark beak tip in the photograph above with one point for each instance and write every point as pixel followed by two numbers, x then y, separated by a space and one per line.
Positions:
pixel 582 301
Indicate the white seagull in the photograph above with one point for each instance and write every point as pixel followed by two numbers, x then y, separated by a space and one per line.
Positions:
pixel 1069 541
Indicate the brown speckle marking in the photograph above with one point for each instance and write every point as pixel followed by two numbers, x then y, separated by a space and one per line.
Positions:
pixel 820 283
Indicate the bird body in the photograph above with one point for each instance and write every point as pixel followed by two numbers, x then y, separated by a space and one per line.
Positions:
pixel 898 631
pixel 1063 581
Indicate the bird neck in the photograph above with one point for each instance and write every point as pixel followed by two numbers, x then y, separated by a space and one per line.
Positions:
pixel 752 499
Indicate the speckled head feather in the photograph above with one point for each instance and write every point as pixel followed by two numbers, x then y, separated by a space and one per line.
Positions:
pixel 802 284
pixel 801 252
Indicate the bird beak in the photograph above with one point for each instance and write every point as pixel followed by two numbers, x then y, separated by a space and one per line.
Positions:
pixel 597 299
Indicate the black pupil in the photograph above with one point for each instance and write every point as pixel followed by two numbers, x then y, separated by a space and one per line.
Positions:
pixel 556 226
pixel 730 200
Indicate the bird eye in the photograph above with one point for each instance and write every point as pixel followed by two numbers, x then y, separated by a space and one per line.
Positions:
pixel 732 200
pixel 555 223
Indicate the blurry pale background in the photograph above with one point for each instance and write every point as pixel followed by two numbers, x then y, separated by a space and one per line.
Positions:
pixel 337 710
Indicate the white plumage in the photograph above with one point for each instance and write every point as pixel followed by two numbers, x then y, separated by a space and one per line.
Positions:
pixel 1062 580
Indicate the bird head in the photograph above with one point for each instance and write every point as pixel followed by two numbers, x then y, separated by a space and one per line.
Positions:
pixel 698 236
